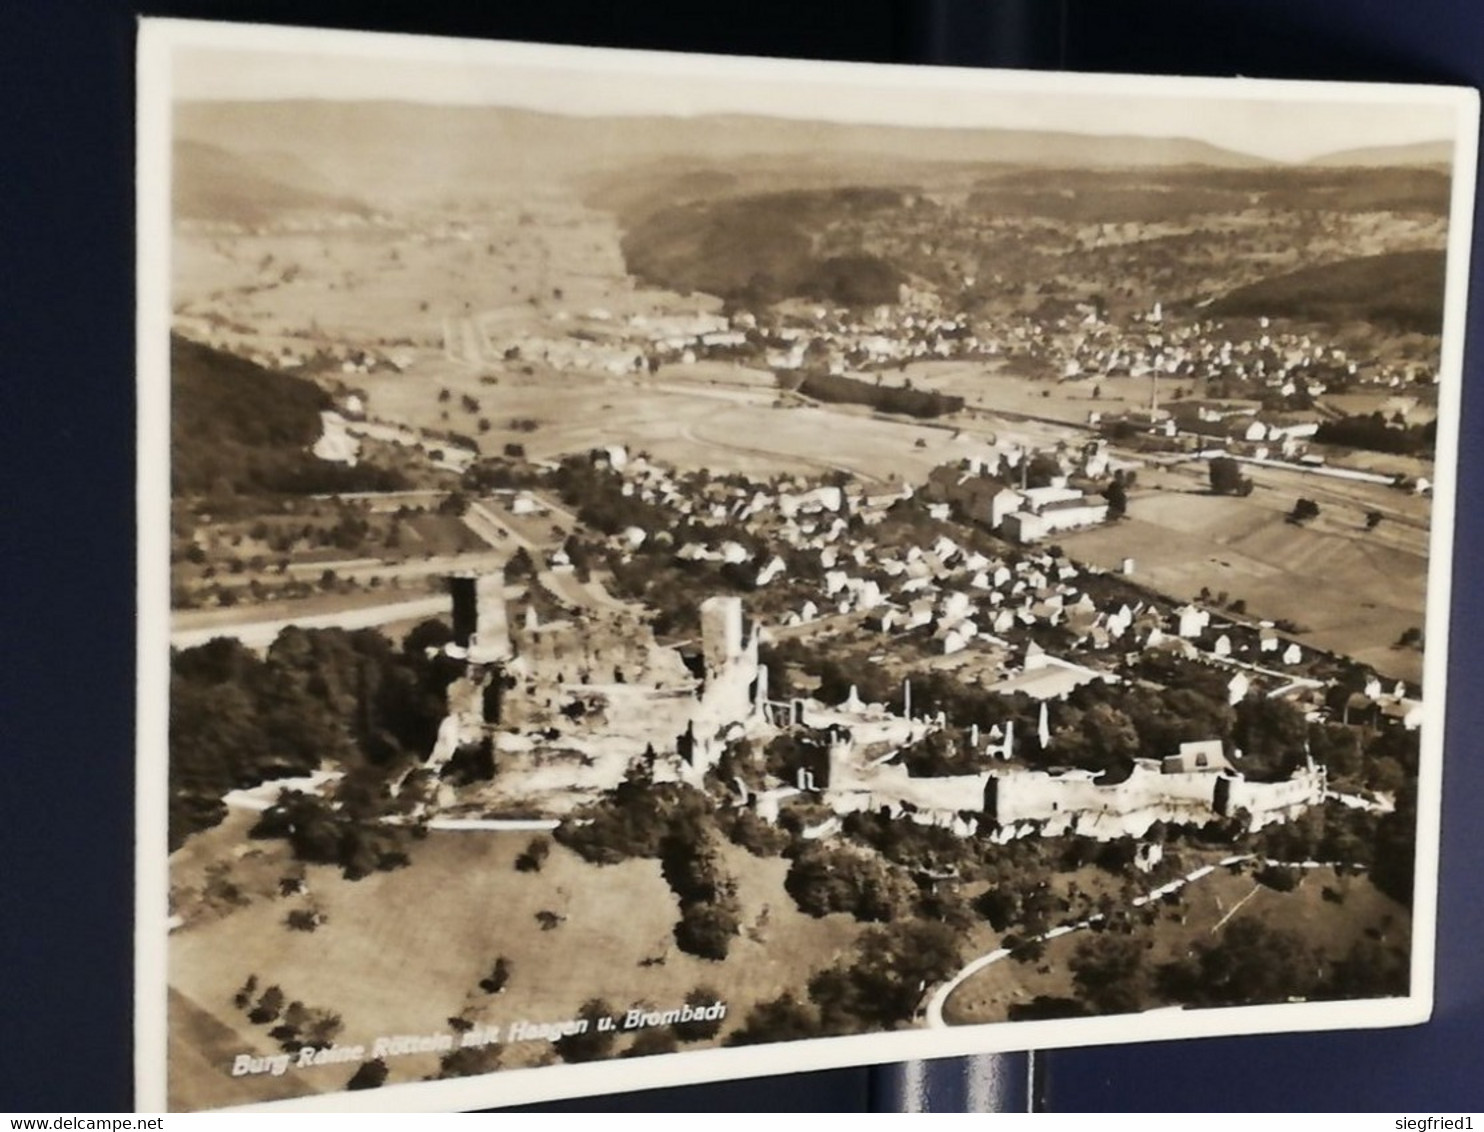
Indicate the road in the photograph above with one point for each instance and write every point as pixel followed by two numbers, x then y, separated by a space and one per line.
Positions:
pixel 261 634
pixel 941 995
pixel 934 1011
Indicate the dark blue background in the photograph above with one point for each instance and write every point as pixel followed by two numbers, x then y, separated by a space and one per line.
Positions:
pixel 66 408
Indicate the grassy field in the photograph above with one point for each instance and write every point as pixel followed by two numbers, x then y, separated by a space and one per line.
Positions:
pixel 357 284
pixel 1354 591
pixel 686 418
pixel 992 386
pixel 402 952
pixel 1207 907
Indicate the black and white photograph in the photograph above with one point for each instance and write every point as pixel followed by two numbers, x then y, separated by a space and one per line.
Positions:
pixel 662 568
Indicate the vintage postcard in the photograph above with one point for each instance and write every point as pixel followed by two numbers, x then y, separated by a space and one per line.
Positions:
pixel 661 568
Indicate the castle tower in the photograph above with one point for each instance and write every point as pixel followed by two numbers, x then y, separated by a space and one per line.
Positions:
pixel 479 621
pixel 721 634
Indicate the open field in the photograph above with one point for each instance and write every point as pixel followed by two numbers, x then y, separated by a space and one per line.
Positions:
pixel 401 952
pixel 1354 591
pixel 1203 911
pixel 993 386
pixel 201 1043
pixel 355 283
pixel 689 423
pixel 486 275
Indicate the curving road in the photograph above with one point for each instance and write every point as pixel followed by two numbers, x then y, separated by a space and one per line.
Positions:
pixel 934 1011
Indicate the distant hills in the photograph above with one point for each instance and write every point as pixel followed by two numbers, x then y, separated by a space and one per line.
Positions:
pixel 212 183
pixel 1400 289
pixel 1418 153
pixel 756 209
pixel 407 151
pixel 762 248
pixel 248 161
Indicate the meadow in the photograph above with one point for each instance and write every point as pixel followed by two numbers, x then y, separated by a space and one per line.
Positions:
pixel 402 952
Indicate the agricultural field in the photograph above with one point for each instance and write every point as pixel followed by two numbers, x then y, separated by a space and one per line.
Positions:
pixel 995 386
pixel 690 424
pixel 1352 591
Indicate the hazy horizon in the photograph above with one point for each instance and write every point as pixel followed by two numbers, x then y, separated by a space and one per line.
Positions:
pixel 1276 121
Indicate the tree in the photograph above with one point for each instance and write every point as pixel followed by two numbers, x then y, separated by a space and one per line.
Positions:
pixel 468 1061
pixel 783 1019
pixel 1272 735
pixel 594 1041
pixel 302 920
pixel 706 929
pixel 999 905
pixel 1279 878
pixel 1042 469
pixel 1396 847
pixel 1373 520
pixel 1109 974
pixel 826 878
pixel 268 1008
pixel 1371 968
pixel 534 856
pixel 699 1029
pixel 243 997
pixel 370 1075
pixel 1226 477
pixel 1251 964
pixel 519 566
pixel 1303 511
pixel 652 1041
pixel 884 986
pixel 499 976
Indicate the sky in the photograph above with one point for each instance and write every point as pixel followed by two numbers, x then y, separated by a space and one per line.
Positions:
pixel 1283 121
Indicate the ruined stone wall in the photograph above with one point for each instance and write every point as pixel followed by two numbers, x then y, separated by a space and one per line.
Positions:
pixel 1035 795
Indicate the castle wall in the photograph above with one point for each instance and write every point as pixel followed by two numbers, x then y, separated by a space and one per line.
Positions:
pixel 1024 801
pixel 1270 801
pixel 1039 796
